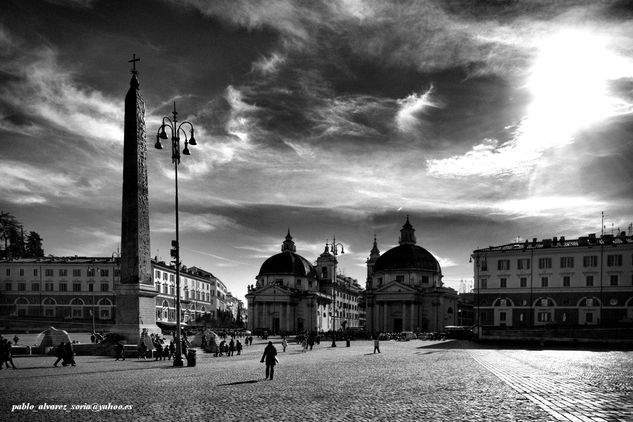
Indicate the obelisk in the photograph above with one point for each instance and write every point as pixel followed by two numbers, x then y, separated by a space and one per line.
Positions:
pixel 135 294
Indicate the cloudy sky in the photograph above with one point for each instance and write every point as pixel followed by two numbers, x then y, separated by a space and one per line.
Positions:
pixel 484 121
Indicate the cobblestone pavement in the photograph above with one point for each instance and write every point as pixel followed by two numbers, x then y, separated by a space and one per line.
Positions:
pixel 568 385
pixel 416 380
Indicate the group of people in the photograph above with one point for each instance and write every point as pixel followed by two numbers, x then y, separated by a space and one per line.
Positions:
pixel 161 350
pixel 65 353
pixel 229 348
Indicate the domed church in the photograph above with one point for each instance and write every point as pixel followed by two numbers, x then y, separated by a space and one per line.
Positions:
pixel 291 296
pixel 404 290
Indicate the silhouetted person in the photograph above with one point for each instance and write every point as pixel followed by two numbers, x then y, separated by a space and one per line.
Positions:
pixel 69 354
pixel 270 358
pixel 59 354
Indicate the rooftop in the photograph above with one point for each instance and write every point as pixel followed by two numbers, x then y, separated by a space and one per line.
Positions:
pixel 561 242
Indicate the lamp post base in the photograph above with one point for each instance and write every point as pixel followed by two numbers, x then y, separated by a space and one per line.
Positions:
pixel 178 361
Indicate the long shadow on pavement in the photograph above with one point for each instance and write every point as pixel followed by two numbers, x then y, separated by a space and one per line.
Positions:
pixel 238 383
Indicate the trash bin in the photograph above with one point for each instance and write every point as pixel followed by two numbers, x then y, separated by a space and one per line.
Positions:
pixel 346 342
pixel 191 357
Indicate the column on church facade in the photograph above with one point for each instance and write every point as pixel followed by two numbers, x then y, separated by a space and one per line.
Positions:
pixel 384 317
pixel 404 320
pixel 414 325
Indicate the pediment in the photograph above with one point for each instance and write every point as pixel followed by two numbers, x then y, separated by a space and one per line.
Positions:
pixel 272 291
pixel 395 287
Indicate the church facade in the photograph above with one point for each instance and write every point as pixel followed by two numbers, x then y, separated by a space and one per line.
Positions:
pixel 404 290
pixel 293 295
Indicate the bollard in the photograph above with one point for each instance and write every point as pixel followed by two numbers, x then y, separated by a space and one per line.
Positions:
pixel 191 357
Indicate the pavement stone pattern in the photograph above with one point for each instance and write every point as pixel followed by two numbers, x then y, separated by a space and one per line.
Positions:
pixel 568 385
pixel 415 380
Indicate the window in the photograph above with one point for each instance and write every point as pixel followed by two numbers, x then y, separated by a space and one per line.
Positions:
pixel 298 283
pixel 76 287
pixel 566 281
pixel 7 287
pixel 502 316
pixel 589 318
pixel 544 263
pixel 614 279
pixel 503 264
pixel 523 281
pixel 523 264
pixel 544 317
pixel 503 283
pixel 614 260
pixel 104 287
pixel 567 262
pixel 105 272
pixel 21 272
pixel 35 287
pixel 117 272
pixel 63 272
pixel 590 261
pixel 34 272
pixel 90 272
pixel 172 277
pixel 77 312
pixel 484 283
pixel 484 265
pixel 324 272
pixel 76 272
pixel 157 274
pixel 400 278
pixel 425 279
pixel 589 280
pixel 48 287
pixel 8 272
pixel 63 287
pixel 48 272
pixel 21 287
pixel 91 287
pixel 164 276
pixel 544 281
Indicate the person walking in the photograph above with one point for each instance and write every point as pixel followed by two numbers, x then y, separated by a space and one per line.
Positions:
pixel 59 354
pixel 270 357
pixel 5 351
pixel 15 340
pixel 69 354
pixel 142 350
pixel 284 343
pixel 238 347
pixel 120 351
pixel 231 348
pixel 376 344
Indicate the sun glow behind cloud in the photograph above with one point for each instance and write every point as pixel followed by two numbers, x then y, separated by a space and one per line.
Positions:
pixel 569 86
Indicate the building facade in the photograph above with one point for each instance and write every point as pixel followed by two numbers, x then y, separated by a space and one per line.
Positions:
pixel 404 290
pixel 293 295
pixel 581 282
pixel 81 292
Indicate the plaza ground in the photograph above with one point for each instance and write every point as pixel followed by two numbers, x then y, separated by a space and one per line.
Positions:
pixel 415 380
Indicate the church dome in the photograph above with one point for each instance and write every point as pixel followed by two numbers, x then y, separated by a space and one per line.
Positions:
pixel 287 263
pixel 407 257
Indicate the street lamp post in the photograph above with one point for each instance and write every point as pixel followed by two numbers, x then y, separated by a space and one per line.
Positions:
pixel 176 130
pixel 95 270
pixel 335 247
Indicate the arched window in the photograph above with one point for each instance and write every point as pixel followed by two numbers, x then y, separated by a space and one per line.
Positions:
pixel 49 307
pixel 77 308
pixel 105 308
pixel 21 306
